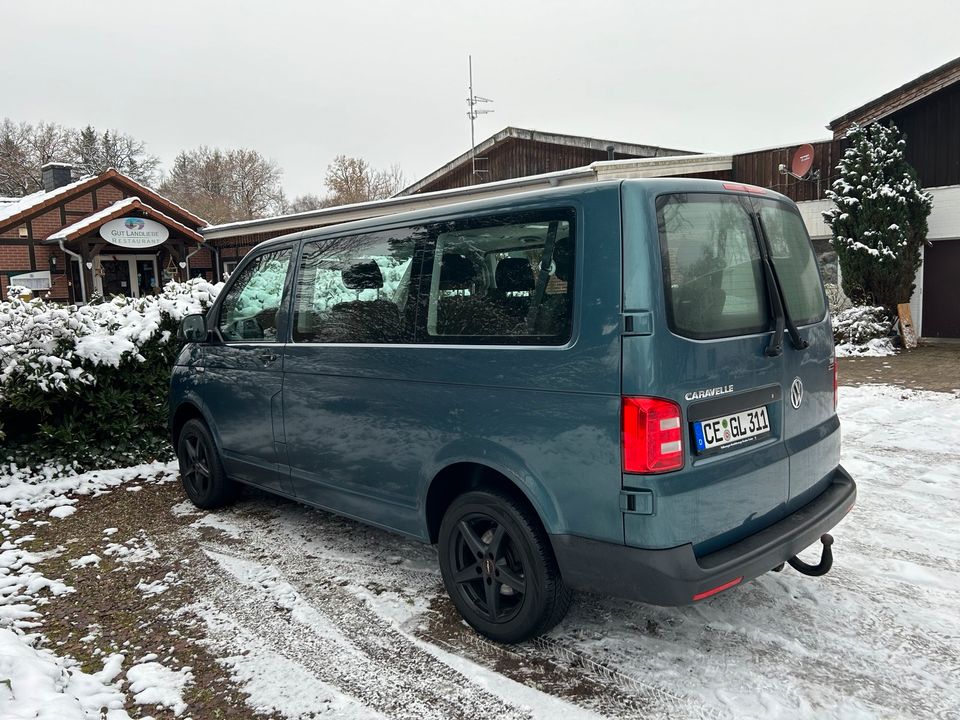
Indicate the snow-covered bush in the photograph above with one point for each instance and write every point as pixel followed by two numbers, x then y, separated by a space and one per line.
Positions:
pixel 858 325
pixel 880 219
pixel 90 383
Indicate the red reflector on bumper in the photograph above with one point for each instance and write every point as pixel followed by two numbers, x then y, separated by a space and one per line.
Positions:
pixel 717 589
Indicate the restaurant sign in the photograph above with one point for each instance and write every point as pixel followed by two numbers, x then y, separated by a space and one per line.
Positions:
pixel 134 232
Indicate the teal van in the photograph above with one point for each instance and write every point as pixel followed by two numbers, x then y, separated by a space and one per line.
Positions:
pixel 626 387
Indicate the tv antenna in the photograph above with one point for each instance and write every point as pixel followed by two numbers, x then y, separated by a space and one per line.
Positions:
pixel 473 113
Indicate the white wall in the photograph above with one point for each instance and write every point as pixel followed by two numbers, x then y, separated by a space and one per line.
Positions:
pixel 943 224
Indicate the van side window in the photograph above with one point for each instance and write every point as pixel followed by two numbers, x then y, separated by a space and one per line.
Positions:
pixel 249 310
pixel 355 289
pixel 499 280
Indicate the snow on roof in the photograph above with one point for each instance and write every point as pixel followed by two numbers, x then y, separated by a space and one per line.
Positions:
pixel 116 209
pixel 81 225
pixel 28 201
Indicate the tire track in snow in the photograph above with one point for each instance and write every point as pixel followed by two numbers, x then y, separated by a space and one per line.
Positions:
pixel 322 558
pixel 346 646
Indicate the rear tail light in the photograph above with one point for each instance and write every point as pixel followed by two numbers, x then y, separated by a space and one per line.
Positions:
pixel 652 435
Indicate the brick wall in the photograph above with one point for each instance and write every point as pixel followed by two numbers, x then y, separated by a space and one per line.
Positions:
pixel 108 194
pixel 13 259
pixel 83 204
pixel 47 224
pixel 12 232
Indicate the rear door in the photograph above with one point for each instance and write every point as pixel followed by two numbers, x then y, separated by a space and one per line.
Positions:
pixel 811 426
pixel 695 266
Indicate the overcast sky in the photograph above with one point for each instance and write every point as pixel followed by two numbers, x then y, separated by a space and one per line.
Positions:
pixel 387 81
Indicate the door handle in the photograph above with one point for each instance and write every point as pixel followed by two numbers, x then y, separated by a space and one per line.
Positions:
pixel 267 357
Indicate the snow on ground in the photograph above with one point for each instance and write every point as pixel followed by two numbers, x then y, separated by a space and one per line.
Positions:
pixel 310 613
pixel 34 682
pixel 153 684
pixel 878 637
pixel 36 489
pixel 877 347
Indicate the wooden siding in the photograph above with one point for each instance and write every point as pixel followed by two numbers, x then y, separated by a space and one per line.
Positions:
pixel 514 158
pixel 932 129
pixel 762 168
pixel 892 102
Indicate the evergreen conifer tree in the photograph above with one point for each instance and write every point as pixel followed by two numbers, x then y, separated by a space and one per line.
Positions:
pixel 880 219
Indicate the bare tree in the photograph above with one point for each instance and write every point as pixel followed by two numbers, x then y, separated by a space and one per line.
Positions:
pixel 225 185
pixel 15 160
pixel 26 148
pixel 93 153
pixel 352 180
pixel 303 203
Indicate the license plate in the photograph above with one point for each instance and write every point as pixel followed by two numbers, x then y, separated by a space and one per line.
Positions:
pixel 730 429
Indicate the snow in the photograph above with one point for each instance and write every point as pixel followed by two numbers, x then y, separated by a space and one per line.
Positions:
pixel 91 220
pixel 153 684
pixel 52 346
pixel 40 488
pixel 10 207
pixel 116 210
pixel 877 347
pixel 19 205
pixel 862 331
pixel 85 560
pixel 311 614
pixel 34 682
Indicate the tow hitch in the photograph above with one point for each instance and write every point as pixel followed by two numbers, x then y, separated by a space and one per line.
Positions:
pixel 826 560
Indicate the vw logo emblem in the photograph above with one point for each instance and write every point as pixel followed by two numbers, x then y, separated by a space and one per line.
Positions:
pixel 796 393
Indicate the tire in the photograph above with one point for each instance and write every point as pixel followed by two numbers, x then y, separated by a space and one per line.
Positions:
pixel 201 471
pixel 498 567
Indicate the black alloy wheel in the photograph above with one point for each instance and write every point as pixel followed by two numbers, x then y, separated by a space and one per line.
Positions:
pixel 498 567
pixel 200 469
pixel 488 571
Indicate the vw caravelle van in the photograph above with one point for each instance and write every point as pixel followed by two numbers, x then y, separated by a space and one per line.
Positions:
pixel 627 387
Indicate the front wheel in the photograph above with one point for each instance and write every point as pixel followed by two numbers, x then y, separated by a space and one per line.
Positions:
pixel 200 469
pixel 498 567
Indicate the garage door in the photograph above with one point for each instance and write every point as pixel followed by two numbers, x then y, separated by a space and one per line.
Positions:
pixel 941 289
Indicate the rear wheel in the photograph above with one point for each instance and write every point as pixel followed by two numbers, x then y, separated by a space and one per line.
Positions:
pixel 201 471
pixel 498 567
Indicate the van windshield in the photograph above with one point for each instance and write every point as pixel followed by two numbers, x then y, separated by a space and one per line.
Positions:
pixel 712 267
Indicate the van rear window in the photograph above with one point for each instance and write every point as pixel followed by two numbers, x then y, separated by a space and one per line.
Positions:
pixel 712 269
pixel 796 264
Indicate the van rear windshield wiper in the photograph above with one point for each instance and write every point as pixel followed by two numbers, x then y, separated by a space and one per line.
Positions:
pixel 775 294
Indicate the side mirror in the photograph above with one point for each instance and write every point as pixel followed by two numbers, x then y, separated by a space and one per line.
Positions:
pixel 193 328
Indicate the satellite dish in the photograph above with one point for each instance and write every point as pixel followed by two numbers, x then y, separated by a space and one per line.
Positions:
pixel 802 161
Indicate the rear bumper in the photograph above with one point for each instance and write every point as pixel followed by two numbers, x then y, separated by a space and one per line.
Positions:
pixel 675 575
